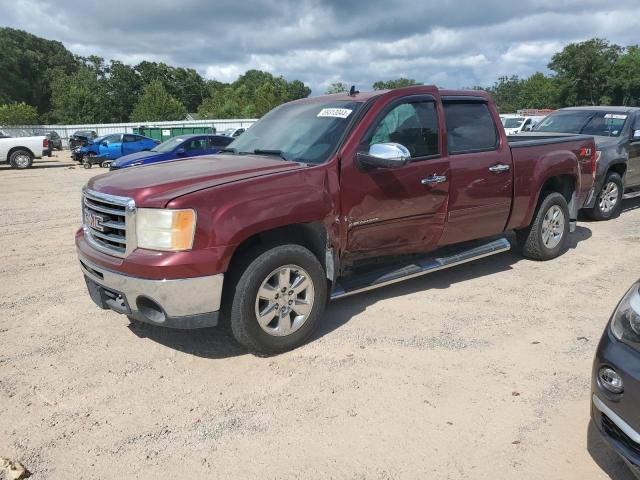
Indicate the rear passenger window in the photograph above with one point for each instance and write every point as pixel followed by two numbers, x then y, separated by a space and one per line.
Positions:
pixel 414 125
pixel 130 138
pixel 470 127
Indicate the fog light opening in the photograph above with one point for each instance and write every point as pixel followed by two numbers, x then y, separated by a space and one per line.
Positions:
pixel 610 380
pixel 150 309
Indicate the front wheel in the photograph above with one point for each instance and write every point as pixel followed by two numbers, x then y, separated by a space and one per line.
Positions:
pixel 278 299
pixel 546 237
pixel 609 201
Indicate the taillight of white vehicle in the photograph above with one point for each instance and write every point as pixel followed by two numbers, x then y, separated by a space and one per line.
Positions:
pixel 45 143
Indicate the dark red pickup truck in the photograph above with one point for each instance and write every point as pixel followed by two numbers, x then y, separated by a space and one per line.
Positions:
pixel 325 197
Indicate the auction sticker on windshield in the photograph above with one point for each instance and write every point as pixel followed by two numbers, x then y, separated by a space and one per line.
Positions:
pixel 616 116
pixel 335 112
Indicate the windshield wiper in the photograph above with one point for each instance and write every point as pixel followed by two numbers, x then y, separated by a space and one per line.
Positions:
pixel 262 151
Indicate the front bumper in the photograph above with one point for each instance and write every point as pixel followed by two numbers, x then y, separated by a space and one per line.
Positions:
pixel 181 303
pixel 617 416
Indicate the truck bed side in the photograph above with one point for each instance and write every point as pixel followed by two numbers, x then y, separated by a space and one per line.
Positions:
pixel 538 160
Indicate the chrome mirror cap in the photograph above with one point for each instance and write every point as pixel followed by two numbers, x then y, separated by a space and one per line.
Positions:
pixel 385 155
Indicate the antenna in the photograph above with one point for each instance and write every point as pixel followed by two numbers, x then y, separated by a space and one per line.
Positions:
pixel 353 91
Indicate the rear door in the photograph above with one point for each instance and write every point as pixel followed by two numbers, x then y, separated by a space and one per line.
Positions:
pixel 633 168
pixel 481 177
pixel 217 143
pixel 390 211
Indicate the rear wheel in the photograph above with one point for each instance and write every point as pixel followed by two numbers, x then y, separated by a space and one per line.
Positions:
pixel 609 201
pixel 278 299
pixel 546 237
pixel 21 159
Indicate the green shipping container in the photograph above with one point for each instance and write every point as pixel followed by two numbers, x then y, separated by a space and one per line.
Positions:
pixel 165 133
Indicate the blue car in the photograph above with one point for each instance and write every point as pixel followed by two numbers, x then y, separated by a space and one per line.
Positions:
pixel 105 149
pixel 183 146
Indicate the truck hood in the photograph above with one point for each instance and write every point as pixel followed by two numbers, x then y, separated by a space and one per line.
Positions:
pixel 156 185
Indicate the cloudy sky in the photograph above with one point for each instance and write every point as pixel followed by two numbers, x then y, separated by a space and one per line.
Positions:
pixel 451 43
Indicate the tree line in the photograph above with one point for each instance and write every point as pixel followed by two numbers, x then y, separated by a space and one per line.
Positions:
pixel 42 82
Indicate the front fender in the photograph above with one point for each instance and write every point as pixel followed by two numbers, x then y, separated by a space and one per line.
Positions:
pixel 230 214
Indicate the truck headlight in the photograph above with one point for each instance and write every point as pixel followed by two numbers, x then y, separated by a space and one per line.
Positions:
pixel 625 324
pixel 165 229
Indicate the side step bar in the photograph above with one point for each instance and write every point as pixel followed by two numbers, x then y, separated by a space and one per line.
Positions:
pixel 629 195
pixel 351 286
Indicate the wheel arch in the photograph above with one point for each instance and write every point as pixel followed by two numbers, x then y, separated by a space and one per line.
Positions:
pixel 12 150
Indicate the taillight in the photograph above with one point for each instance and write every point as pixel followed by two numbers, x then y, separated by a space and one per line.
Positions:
pixel 45 143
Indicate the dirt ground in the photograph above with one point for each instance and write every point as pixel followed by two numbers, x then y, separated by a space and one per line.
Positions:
pixel 478 372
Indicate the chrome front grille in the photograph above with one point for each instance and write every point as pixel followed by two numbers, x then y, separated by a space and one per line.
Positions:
pixel 108 222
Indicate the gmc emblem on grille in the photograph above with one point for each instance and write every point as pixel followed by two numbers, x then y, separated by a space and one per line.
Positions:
pixel 93 220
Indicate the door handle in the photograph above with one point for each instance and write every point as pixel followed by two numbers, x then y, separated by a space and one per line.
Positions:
pixel 433 179
pixel 499 168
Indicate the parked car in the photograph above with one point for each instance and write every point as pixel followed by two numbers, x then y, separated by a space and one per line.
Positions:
pixel 517 124
pixel 104 150
pixel 81 138
pixel 233 132
pixel 183 146
pixel 617 134
pixel 313 193
pixel 615 381
pixel 55 142
pixel 21 151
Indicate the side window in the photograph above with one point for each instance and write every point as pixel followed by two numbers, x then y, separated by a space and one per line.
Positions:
pixel 414 125
pixel 130 138
pixel 195 144
pixel 470 127
pixel 112 139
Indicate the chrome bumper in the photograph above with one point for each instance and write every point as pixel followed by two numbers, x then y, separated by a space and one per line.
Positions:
pixel 181 303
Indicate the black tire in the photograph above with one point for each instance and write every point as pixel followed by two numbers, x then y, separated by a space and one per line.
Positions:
pixel 87 165
pixel 531 239
pixel 249 275
pixel 600 211
pixel 21 159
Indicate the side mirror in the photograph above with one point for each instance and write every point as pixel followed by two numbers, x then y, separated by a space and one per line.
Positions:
pixel 636 134
pixel 181 151
pixel 385 155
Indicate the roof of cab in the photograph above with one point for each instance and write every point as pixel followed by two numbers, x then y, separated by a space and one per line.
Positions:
pixel 415 89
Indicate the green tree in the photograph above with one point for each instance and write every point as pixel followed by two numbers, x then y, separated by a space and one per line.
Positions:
pixel 584 69
pixel 397 83
pixel 18 114
pixel 80 97
pixel 625 78
pixel 337 87
pixel 124 87
pixel 506 93
pixel 538 91
pixel 156 104
pixel 26 64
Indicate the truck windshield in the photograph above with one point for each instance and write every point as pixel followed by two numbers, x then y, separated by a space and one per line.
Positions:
pixel 301 132
pixel 589 122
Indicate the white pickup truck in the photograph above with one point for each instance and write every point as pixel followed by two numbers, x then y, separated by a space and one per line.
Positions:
pixel 20 151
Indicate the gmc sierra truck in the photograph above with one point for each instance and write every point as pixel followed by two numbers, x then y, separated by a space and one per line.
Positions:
pixel 322 198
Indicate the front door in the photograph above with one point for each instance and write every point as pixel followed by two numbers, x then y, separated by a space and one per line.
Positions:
pixel 481 171
pixel 390 211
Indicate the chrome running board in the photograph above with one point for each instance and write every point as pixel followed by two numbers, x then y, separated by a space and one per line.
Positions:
pixel 629 195
pixel 379 278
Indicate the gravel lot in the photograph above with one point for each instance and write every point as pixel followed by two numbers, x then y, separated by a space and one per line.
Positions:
pixel 477 372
